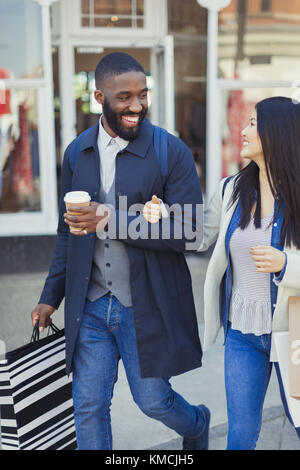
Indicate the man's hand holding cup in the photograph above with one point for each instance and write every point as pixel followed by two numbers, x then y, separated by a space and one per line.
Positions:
pixel 87 217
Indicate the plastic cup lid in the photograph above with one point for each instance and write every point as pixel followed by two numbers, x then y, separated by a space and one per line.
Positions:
pixel 77 197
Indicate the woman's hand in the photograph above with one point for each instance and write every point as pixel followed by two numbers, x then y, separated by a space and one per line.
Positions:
pixel 90 219
pixel 267 259
pixel 152 210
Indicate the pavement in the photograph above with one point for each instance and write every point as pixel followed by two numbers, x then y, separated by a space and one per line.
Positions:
pixel 132 430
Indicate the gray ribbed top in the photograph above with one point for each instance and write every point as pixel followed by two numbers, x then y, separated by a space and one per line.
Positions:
pixel 250 308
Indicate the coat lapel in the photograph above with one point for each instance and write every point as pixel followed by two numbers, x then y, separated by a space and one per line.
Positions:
pixel 86 176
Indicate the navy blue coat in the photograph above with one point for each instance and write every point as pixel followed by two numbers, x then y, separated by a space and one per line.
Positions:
pixel 163 304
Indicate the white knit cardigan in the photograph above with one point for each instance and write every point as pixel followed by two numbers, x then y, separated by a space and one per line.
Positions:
pixel 216 221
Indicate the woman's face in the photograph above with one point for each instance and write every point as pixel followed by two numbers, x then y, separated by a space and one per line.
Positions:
pixel 252 147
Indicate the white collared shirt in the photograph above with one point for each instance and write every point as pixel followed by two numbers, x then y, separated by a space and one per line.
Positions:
pixel 108 149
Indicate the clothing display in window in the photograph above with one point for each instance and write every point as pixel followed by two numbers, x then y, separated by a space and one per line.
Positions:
pixel 4 94
pixel 22 164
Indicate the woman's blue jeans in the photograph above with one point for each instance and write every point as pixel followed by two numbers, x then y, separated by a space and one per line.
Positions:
pixel 247 374
pixel 107 333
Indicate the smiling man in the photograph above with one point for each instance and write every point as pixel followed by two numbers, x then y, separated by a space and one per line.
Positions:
pixel 128 298
pixel 124 101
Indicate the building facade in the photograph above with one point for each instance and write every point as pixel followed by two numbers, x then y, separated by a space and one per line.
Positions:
pixel 206 69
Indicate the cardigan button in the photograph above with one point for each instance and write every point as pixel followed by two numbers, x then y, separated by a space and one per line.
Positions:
pixel 275 225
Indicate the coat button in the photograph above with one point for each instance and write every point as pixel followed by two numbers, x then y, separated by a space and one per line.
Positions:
pixel 275 225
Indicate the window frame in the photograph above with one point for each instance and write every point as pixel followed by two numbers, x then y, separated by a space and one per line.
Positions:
pixel 149 24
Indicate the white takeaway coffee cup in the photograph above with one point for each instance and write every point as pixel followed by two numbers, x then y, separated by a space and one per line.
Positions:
pixel 76 199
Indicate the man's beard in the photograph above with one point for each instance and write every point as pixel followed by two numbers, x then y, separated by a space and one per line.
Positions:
pixel 115 123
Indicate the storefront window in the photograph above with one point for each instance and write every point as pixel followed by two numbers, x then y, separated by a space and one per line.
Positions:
pixel 260 40
pixel 238 106
pixel 19 152
pixel 188 25
pixel 20 39
pixel 112 13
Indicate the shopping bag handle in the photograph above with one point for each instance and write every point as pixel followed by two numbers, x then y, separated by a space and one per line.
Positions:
pixel 35 337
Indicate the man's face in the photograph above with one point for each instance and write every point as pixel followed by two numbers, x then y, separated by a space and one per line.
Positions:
pixel 125 104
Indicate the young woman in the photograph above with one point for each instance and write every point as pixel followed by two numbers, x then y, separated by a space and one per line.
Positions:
pixel 254 218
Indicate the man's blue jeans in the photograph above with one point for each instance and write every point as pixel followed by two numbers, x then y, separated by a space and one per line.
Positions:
pixel 247 374
pixel 107 333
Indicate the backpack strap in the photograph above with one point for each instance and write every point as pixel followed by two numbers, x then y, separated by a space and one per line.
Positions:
pixel 160 142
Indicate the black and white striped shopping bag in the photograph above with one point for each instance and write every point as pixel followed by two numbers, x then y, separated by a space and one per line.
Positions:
pixel 36 396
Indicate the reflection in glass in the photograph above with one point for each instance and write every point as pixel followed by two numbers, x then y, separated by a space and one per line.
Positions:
pixel 21 39
pixel 112 22
pixel 19 153
pixel 238 106
pixel 260 40
pixel 112 13
pixel 183 18
pixel 115 7
pixel 189 28
pixel 85 6
pixel 140 7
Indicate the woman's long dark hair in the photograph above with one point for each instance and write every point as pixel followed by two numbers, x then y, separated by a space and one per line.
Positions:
pixel 278 125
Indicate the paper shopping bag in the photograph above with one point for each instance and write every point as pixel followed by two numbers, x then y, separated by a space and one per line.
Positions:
pixel 282 344
pixel 294 330
pixel 36 396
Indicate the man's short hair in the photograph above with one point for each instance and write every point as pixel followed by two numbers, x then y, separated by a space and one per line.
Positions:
pixel 115 63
